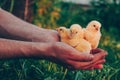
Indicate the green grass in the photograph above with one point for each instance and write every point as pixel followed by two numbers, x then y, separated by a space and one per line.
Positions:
pixel 67 14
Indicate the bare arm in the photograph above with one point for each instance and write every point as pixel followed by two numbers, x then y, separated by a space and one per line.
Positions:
pixel 22 49
pixel 14 28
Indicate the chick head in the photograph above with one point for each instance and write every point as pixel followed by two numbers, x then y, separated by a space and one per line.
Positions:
pixel 76 30
pixel 94 25
pixel 63 32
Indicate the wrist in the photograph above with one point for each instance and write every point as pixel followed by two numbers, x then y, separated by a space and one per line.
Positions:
pixel 44 35
pixel 41 50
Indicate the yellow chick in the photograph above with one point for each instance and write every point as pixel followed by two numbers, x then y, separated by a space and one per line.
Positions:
pixel 92 33
pixel 65 36
pixel 77 35
pixel 83 46
pixel 76 31
pixel 64 33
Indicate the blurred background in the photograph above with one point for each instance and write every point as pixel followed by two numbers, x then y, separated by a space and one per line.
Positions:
pixel 51 14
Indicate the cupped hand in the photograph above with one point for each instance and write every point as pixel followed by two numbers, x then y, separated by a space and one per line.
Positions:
pixel 69 57
pixel 96 52
pixel 72 59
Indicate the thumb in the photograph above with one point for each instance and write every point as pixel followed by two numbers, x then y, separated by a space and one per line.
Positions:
pixel 97 50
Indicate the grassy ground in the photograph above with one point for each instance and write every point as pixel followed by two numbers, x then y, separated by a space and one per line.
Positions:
pixel 57 14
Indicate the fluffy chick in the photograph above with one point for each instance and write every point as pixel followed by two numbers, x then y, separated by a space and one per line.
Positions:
pixel 76 31
pixel 83 46
pixel 77 35
pixel 92 33
pixel 64 33
pixel 65 36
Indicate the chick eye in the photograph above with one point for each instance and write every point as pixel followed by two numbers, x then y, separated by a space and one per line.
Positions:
pixel 93 25
pixel 60 29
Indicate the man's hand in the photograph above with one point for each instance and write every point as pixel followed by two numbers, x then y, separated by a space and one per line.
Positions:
pixel 95 53
pixel 73 59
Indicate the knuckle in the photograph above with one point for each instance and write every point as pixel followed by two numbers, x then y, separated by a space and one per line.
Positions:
pixel 77 67
pixel 106 53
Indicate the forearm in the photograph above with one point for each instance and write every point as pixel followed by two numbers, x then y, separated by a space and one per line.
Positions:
pixel 21 49
pixel 14 27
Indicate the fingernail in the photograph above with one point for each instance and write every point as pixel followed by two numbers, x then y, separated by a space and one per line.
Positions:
pixel 91 56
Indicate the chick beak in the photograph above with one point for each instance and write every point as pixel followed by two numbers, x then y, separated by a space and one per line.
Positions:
pixel 96 28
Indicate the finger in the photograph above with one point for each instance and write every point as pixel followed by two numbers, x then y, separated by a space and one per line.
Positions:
pixel 92 65
pixel 100 62
pixel 77 64
pixel 99 56
pixel 97 50
pixel 81 57
pixel 98 66
pixel 83 65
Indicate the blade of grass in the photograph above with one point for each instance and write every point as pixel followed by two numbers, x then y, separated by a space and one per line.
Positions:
pixel 66 70
pixel 11 6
